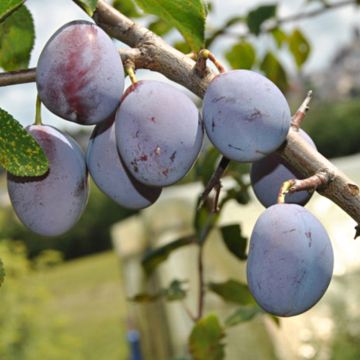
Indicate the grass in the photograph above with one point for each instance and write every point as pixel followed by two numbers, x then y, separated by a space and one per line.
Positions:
pixel 88 293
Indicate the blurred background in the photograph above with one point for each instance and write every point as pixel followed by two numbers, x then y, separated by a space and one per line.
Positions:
pixel 67 297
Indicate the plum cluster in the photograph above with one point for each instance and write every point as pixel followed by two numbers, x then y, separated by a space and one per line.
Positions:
pixel 149 137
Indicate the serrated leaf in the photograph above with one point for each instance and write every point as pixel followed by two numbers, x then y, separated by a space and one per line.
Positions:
pixel 188 16
pixel 126 7
pixel 8 6
pixel 259 15
pixel 88 5
pixel 242 314
pixel 160 27
pixel 17 35
pixel 206 339
pixel 144 298
pixel 234 241
pixel 232 291
pixel 241 56
pixel 279 36
pixel 299 47
pixel 274 70
pixel 20 154
pixel 2 272
pixel 175 291
pixel 156 256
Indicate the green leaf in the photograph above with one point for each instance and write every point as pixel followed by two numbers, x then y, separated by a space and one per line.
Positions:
pixel 17 36
pixel 204 221
pixel 258 16
pixel 234 241
pixel 299 47
pixel 242 314
pixel 175 291
pixel 144 298
pixel 241 56
pixel 20 154
pixel 206 339
pixel 182 46
pixel 2 272
pixel 156 256
pixel 279 36
pixel 88 5
pixel 188 16
pixel 274 70
pixel 233 291
pixel 126 7
pixel 160 27
pixel 205 166
pixel 9 6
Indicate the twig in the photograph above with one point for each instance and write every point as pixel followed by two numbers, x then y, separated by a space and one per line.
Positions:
pixel 299 116
pixel 321 178
pixel 214 180
pixel 201 299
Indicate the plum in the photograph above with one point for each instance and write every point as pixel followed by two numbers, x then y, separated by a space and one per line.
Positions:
pixel 51 204
pixel 80 76
pixel 268 174
pixel 246 116
pixel 159 132
pixel 290 261
pixel 111 176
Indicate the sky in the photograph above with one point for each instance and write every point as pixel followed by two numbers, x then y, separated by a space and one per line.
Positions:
pixel 327 33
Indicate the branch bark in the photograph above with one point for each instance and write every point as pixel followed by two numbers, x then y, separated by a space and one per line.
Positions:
pixel 151 52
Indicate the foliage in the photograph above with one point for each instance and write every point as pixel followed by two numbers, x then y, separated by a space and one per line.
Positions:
pixel 28 331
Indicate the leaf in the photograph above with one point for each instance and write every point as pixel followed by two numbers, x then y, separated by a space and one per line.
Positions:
pixel 299 47
pixel 241 56
pixel 175 291
pixel 17 36
pixel 188 16
pixel 242 314
pixel 258 16
pixel 88 5
pixel 9 6
pixel 156 256
pixel 233 291
pixel 274 70
pixel 2 272
pixel 20 154
pixel 205 342
pixel 205 166
pixel 144 298
pixel 160 27
pixel 234 241
pixel 126 7
pixel 279 36
pixel 182 46
pixel 204 222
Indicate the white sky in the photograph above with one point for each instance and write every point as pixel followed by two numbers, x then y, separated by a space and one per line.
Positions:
pixel 326 32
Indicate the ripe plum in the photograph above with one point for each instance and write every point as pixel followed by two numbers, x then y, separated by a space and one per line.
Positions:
pixel 246 116
pixel 80 76
pixel 159 132
pixel 51 204
pixel 290 261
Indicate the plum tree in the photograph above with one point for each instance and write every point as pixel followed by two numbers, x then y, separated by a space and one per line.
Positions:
pixel 110 175
pixel 246 116
pixel 51 204
pixel 268 174
pixel 290 261
pixel 159 132
pixel 80 75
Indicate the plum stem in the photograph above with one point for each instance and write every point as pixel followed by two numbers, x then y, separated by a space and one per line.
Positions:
pixel 201 300
pixel 129 68
pixel 299 116
pixel 200 65
pixel 38 120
